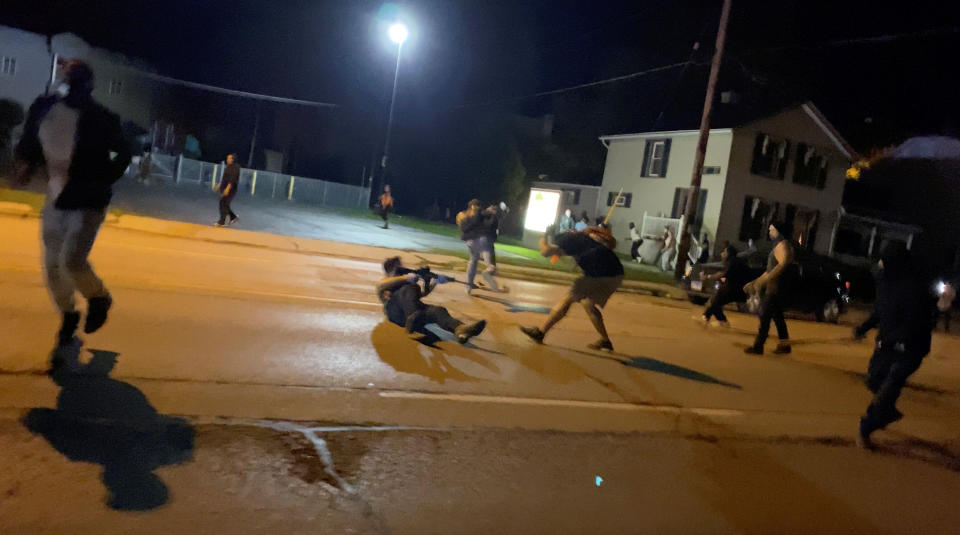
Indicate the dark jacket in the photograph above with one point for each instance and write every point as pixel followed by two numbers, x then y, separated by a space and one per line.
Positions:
pixel 491 222
pixel 93 169
pixel 472 226
pixel 231 176
pixel 737 275
pixel 903 313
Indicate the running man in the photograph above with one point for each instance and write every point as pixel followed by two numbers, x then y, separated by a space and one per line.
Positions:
pixel 85 152
pixel 475 229
pixel 602 275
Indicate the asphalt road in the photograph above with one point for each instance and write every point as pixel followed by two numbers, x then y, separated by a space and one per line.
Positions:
pixel 245 390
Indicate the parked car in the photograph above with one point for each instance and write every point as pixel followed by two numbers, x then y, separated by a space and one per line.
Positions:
pixel 820 287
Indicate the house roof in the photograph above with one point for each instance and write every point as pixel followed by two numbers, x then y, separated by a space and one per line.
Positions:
pixel 726 119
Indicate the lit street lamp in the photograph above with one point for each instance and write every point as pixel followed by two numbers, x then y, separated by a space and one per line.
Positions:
pixel 398 34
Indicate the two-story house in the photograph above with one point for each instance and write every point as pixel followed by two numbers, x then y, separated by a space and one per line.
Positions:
pixel 28 62
pixel 790 165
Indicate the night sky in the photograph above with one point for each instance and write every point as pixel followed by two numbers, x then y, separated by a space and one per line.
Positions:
pixel 464 53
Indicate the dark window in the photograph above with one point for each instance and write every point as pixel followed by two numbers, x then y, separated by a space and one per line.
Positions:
pixel 757 215
pixel 680 196
pixel 810 168
pixel 711 170
pixel 624 201
pixel 571 197
pixel 8 65
pixel 656 155
pixel 770 157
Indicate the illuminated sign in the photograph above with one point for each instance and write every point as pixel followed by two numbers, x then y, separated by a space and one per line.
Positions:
pixel 542 209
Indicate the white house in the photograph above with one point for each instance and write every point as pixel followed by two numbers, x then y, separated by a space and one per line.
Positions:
pixel 27 63
pixel 790 165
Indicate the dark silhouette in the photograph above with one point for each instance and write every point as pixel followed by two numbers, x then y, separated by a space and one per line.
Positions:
pixel 659 366
pixel 104 421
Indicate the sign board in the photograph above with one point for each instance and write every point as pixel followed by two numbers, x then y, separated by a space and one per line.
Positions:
pixel 542 209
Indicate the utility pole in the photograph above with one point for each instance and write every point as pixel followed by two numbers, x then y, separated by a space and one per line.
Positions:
pixel 693 198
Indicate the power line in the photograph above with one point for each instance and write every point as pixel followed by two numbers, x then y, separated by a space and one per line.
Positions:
pixel 580 86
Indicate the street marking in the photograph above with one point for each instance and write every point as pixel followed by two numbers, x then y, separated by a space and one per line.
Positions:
pixel 609 405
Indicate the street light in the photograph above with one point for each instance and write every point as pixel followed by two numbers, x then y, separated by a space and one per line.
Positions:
pixel 398 34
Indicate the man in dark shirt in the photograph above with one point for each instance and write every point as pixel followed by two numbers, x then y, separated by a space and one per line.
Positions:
pixel 228 190
pixel 84 151
pixel 904 316
pixel 602 275
pixel 732 279
pixel 401 295
pixel 773 285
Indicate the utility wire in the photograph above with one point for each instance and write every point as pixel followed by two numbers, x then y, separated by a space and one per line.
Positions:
pixel 580 86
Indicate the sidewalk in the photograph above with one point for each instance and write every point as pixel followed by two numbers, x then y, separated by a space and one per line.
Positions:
pixel 193 231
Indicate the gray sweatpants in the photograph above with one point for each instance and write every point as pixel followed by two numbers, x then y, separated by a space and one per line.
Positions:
pixel 68 236
pixel 481 248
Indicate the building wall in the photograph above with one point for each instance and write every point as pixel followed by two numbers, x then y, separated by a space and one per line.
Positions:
pixel 33 65
pixel 135 100
pixel 134 103
pixel 797 127
pixel 655 196
pixel 589 196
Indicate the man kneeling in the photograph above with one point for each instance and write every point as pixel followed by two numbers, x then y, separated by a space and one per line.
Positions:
pixel 401 295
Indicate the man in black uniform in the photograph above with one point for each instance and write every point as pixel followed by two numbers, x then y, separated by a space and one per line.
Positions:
pixel 903 315
pixel 228 190
pixel 401 296
pixel 602 275
pixel 773 285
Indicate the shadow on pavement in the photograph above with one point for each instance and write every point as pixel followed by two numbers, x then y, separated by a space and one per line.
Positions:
pixel 514 307
pixel 423 357
pixel 104 421
pixel 659 366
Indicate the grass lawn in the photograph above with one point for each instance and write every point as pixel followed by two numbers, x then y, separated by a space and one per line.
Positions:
pixel 35 200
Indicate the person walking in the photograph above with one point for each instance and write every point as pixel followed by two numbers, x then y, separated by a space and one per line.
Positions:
pixel 385 205
pixel 401 295
pixel 773 286
pixel 85 151
pixel 733 278
pixel 635 242
pixel 903 315
pixel 144 168
pixel 669 251
pixel 592 249
pixel 475 232
pixel 229 183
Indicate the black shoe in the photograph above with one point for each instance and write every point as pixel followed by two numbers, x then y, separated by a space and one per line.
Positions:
pixel 601 344
pixel 233 220
pixel 783 349
pixel 534 333
pixel 71 320
pixel 97 309
pixel 466 332
pixel 414 322
pixel 863 435
pixel 754 350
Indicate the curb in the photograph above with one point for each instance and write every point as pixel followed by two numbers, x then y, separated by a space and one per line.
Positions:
pixel 293 244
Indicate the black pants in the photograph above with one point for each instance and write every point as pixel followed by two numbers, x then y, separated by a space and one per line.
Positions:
pixel 406 301
pixel 384 213
pixel 225 210
pixel 722 298
pixel 771 308
pixel 635 248
pixel 887 374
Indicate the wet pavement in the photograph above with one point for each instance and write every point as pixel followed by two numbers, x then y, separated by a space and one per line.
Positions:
pixel 261 390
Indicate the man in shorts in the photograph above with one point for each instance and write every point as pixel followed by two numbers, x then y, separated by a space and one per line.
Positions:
pixel 602 275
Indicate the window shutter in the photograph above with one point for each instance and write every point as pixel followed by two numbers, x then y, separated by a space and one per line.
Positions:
pixel 757 154
pixel 646 159
pixel 611 196
pixel 821 172
pixel 666 157
pixel 798 167
pixel 782 172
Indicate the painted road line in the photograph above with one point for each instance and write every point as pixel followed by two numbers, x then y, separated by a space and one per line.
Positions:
pixel 608 405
